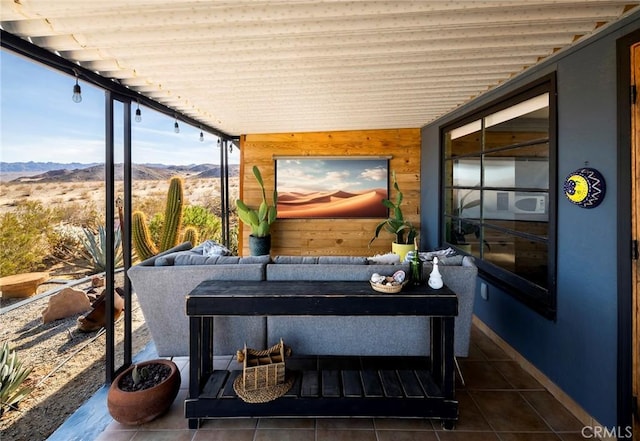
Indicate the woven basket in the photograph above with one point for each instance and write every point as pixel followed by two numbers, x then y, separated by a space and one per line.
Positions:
pixel 387 289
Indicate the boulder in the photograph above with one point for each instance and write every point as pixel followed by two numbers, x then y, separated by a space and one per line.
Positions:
pixel 66 303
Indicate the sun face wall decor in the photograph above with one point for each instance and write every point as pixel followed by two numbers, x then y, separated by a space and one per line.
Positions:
pixel 585 187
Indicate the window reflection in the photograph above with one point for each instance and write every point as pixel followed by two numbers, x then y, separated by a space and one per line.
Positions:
pixel 497 189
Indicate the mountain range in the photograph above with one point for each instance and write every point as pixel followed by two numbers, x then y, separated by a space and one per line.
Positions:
pixel 77 172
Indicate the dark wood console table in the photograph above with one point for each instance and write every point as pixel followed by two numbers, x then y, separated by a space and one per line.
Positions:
pixel 327 386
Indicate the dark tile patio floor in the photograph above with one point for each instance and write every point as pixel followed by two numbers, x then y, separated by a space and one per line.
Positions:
pixel 499 401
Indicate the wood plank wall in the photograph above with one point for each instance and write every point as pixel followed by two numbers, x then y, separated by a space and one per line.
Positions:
pixel 343 237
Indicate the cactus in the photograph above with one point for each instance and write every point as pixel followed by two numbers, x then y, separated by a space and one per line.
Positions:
pixel 141 237
pixel 12 375
pixel 190 234
pixel 261 218
pixel 172 214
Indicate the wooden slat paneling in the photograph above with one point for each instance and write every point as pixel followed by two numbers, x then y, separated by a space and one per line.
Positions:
pixel 348 237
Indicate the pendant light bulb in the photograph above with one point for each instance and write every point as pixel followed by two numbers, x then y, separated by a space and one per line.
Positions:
pixel 201 136
pixel 77 93
pixel 176 127
pixel 138 114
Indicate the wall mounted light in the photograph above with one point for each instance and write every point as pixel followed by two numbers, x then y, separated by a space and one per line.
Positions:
pixel 77 92
pixel 176 127
pixel 138 113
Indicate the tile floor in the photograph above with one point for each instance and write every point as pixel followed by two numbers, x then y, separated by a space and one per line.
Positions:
pixel 499 401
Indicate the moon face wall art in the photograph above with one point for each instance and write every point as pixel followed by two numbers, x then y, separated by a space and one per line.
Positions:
pixel 585 187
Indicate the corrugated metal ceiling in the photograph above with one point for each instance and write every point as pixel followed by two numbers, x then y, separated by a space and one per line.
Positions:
pixel 288 66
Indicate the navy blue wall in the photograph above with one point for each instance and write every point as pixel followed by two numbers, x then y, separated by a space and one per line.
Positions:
pixel 578 351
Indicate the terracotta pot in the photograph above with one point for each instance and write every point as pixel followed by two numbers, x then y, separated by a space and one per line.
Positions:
pixel 139 407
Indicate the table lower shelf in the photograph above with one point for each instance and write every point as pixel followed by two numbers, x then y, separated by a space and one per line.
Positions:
pixel 334 387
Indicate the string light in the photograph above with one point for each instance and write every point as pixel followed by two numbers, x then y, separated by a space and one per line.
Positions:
pixel 77 92
pixel 138 113
pixel 201 136
pixel 176 127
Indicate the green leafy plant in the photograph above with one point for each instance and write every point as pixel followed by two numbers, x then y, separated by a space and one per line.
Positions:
pixel 95 248
pixel 12 375
pixel 396 224
pixel 260 219
pixel 206 224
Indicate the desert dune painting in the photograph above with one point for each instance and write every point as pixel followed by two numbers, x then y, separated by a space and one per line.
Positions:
pixel 319 187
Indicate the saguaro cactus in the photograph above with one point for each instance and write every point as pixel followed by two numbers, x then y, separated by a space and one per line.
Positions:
pixel 172 214
pixel 190 234
pixel 141 237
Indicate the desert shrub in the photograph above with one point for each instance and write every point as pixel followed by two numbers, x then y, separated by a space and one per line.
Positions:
pixel 155 226
pixel 150 205
pixel 82 214
pixel 24 236
pixel 65 240
pixel 206 223
pixel 233 239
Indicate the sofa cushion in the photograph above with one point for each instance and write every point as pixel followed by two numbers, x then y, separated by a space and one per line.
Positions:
pixel 294 260
pixel 328 260
pixel 151 261
pixel 170 258
pixel 198 259
pixel 255 259
pixel 451 260
pixel 343 260
pixel 328 272
pixel 195 259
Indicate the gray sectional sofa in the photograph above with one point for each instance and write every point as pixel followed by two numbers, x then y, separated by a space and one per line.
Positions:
pixel 162 282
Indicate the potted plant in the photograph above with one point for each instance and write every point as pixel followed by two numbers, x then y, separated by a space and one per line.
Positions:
pixel 260 219
pixel 143 391
pixel 396 224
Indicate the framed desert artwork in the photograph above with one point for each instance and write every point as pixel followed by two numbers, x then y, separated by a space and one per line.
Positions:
pixel 332 187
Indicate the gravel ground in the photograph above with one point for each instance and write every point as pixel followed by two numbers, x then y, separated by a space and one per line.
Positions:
pixel 68 365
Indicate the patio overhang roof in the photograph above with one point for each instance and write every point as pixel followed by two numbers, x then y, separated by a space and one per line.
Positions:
pixel 248 66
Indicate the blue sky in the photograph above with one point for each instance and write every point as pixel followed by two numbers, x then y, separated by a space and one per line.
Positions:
pixel 39 122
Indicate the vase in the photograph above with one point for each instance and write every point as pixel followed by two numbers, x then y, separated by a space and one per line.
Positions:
pixel 401 249
pixel 141 406
pixel 259 246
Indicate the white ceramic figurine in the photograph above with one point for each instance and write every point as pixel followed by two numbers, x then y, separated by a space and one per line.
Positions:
pixel 435 278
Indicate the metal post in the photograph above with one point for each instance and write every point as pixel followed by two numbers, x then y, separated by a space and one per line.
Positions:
pixel 125 230
pixel 225 202
pixel 109 226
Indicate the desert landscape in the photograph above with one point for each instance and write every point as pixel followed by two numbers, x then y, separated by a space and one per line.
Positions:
pixel 86 186
pixel 68 365
pixel 334 204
